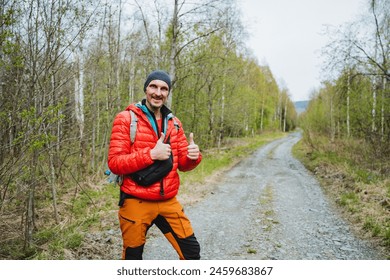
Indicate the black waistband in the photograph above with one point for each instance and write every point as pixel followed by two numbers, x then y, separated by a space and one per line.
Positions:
pixel 123 196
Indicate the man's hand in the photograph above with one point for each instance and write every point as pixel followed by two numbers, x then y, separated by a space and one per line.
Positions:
pixel 161 151
pixel 193 149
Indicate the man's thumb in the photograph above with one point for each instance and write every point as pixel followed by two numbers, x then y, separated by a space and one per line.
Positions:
pixel 161 137
pixel 191 140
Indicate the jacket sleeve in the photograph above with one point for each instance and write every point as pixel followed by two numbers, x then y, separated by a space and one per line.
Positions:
pixel 121 160
pixel 185 163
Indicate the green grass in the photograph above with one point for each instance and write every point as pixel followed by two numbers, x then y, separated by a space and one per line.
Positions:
pixel 251 251
pixel 350 202
pixel 371 225
pixel 83 214
pixel 351 182
pixel 348 199
pixel 388 190
pixel 387 235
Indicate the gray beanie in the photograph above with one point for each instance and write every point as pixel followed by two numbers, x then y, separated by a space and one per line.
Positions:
pixel 158 75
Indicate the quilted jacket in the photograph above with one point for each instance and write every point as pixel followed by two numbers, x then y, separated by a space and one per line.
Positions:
pixel 125 157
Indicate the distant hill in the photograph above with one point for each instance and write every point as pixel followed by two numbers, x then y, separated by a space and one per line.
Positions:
pixel 300 106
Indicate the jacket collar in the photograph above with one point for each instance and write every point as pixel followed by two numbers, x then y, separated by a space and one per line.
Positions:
pixel 166 115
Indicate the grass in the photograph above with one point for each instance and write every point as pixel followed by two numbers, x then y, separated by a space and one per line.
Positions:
pixel 267 211
pixel 361 192
pixel 371 225
pixel 348 198
pixel 251 251
pixel 79 211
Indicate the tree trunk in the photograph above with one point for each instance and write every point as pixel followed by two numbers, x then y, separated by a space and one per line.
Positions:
pixel 118 58
pixel 348 100
pixel 332 118
pixel 262 116
pixel 384 101
pixel 222 119
pixel 373 111
pixel 30 222
pixel 285 117
pixel 53 186
pixel 172 58
pixel 79 108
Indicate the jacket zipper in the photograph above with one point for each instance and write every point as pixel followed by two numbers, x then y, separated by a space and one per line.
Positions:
pixel 162 187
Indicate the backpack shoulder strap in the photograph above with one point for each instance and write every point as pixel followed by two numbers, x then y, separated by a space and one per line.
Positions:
pixel 133 126
pixel 175 121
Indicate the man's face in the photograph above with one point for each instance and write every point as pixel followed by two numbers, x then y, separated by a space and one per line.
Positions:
pixel 156 94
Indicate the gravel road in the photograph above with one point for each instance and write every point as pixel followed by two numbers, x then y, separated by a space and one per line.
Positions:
pixel 268 207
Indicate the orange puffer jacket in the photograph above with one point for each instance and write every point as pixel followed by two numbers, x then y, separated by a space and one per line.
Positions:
pixel 125 157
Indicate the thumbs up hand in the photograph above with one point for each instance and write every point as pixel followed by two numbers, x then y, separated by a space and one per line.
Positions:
pixel 161 151
pixel 193 149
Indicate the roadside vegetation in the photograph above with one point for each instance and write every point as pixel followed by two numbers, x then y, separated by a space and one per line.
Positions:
pixel 62 84
pixel 346 127
pixel 68 67
pixel 361 193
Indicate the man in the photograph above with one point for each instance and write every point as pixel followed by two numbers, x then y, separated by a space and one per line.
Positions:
pixel 159 137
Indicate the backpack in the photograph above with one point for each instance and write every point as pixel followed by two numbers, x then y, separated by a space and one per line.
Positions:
pixel 118 179
pixel 151 174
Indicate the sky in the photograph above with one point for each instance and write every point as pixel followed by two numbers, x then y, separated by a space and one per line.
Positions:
pixel 286 36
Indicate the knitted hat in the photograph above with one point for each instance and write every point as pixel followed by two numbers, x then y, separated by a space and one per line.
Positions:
pixel 158 75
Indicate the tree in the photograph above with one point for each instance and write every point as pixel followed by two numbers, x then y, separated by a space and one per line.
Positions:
pixel 68 67
pixel 364 46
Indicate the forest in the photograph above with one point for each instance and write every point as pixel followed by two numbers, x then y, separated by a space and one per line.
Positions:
pixel 353 102
pixel 346 127
pixel 69 66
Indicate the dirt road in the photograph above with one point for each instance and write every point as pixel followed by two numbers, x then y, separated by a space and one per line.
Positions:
pixel 267 207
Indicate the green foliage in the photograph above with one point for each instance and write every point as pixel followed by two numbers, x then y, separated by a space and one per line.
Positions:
pixel 387 235
pixel 388 190
pixel 220 92
pixel 13 249
pixel 58 241
pixel 365 176
pixel 356 188
pixel 349 200
pixel 251 251
pixel 371 225
pixel 85 213
pixel 45 235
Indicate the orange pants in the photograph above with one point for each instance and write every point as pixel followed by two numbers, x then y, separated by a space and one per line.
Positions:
pixel 136 216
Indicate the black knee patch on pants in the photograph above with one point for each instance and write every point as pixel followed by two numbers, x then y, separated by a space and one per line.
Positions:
pixel 192 247
pixel 134 253
pixel 189 246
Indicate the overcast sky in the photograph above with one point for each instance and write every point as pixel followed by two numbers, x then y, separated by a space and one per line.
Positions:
pixel 286 35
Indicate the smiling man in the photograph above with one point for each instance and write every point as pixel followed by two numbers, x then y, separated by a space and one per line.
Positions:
pixel 156 88
pixel 159 144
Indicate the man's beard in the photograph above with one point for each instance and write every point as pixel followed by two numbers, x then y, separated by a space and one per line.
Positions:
pixel 153 107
